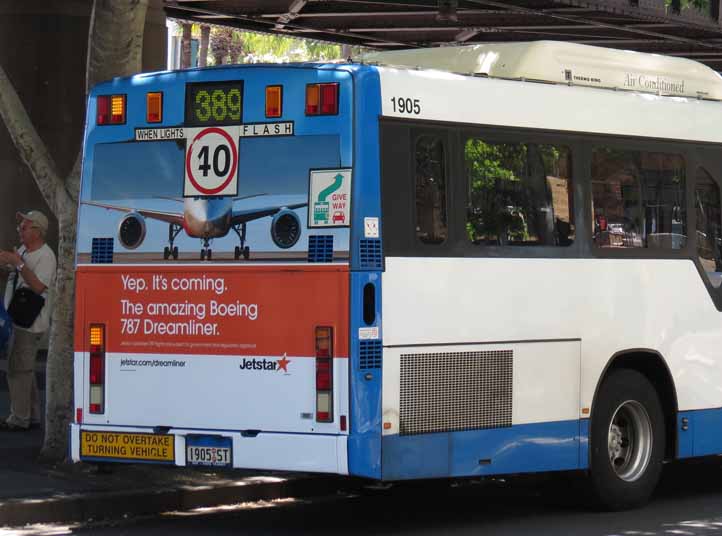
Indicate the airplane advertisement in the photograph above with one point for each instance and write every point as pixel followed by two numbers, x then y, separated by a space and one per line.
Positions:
pixel 149 199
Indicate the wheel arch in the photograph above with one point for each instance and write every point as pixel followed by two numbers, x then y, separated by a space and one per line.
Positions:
pixel 654 367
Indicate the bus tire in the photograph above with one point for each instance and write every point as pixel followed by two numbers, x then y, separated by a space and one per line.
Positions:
pixel 627 441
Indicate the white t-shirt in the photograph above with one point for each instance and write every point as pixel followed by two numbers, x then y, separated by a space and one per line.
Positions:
pixel 43 264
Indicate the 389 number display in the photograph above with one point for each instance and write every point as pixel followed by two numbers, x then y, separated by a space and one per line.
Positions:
pixel 214 103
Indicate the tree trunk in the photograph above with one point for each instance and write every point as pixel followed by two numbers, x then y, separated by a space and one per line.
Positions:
pixel 203 53
pixel 186 46
pixel 114 49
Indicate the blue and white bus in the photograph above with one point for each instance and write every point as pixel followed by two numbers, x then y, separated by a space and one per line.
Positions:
pixel 440 263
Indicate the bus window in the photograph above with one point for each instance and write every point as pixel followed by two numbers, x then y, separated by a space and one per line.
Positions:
pixel 709 231
pixel 519 194
pixel 638 199
pixel 431 224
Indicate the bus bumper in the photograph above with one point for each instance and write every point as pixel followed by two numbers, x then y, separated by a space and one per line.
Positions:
pixel 316 453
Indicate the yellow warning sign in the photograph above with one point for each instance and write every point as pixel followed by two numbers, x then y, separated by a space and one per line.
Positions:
pixel 126 446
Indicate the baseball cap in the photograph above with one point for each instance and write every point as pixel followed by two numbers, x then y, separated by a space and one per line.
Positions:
pixel 38 218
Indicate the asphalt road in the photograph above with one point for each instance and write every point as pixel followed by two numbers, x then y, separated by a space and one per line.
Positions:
pixel 688 502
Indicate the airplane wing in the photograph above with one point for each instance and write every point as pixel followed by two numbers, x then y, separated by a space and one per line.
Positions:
pixel 243 216
pixel 170 217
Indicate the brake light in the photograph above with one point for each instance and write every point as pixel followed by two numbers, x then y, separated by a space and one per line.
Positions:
pixel 324 374
pixel 274 101
pixel 329 99
pixel 110 110
pixel 322 99
pixel 79 415
pixel 96 378
pixel 154 107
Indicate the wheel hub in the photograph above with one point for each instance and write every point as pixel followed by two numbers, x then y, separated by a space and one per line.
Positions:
pixel 629 440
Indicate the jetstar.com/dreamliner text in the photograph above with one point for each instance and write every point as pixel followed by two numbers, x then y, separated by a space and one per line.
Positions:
pixel 130 362
pixel 149 305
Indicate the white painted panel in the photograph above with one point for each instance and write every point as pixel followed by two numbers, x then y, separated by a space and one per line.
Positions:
pixel 611 305
pixel 546 381
pixel 450 97
pixel 213 392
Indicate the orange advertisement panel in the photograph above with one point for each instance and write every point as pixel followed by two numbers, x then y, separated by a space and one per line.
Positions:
pixel 219 310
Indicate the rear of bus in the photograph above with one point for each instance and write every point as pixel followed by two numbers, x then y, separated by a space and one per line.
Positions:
pixel 227 256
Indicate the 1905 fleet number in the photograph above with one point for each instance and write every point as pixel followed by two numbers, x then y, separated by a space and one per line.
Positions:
pixel 406 105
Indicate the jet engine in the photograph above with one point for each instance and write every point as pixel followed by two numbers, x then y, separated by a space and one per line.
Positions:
pixel 285 228
pixel 131 230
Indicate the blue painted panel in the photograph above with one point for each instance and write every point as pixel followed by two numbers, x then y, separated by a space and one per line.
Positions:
pixel 706 426
pixel 583 443
pixel 685 438
pixel 364 444
pixel 518 449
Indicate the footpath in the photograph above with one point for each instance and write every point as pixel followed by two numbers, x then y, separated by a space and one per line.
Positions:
pixel 31 492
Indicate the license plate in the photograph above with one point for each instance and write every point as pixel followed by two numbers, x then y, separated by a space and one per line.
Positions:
pixel 127 446
pixel 213 451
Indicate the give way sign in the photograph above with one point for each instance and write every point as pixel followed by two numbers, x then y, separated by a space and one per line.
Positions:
pixel 211 162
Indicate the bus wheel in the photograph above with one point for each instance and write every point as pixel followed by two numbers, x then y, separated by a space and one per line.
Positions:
pixel 627 441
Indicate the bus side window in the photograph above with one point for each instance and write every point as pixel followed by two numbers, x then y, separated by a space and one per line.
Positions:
pixel 519 194
pixel 638 199
pixel 709 230
pixel 431 221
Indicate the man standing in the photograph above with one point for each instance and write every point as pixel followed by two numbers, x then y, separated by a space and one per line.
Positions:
pixel 33 265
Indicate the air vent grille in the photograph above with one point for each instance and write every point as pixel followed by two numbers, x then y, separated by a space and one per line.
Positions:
pixel 320 248
pixel 370 355
pixel 370 257
pixel 446 392
pixel 102 251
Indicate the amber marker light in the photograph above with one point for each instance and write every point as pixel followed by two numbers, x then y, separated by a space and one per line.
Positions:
pixel 274 101
pixel 154 107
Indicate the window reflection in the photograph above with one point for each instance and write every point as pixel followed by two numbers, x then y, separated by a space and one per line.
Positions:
pixel 519 194
pixel 709 231
pixel 431 224
pixel 638 199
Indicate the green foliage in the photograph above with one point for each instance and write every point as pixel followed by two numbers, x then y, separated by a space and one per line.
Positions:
pixel 228 45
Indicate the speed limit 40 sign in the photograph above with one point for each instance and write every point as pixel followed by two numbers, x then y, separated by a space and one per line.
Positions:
pixel 211 163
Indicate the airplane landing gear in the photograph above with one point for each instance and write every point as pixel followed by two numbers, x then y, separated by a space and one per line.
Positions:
pixel 206 252
pixel 245 251
pixel 171 250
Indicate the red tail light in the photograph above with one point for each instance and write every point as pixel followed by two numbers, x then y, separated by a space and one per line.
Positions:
pixel 329 99
pixel 79 415
pixel 96 378
pixel 324 374
pixel 322 99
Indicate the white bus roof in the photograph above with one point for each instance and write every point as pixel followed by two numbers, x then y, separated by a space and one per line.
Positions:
pixel 566 63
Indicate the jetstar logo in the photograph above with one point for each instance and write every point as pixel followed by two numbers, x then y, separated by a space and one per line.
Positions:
pixel 266 364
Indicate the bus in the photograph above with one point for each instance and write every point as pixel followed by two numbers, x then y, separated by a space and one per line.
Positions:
pixel 444 263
